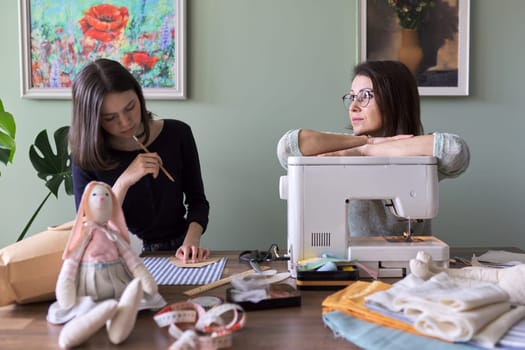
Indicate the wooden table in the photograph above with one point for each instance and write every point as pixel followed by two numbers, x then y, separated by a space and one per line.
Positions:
pixel 25 326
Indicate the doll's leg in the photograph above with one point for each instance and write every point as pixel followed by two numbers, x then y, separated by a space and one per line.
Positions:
pixel 78 330
pixel 423 267
pixel 121 324
pixel 511 279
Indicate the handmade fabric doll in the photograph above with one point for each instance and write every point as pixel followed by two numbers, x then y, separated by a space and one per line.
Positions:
pixel 102 281
pixel 511 280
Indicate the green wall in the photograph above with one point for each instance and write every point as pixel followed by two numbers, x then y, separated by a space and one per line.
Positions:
pixel 257 68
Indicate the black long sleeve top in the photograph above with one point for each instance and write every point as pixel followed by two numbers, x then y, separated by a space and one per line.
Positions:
pixel 158 210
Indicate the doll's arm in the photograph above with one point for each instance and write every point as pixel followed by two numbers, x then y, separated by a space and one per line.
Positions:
pixel 136 266
pixel 66 287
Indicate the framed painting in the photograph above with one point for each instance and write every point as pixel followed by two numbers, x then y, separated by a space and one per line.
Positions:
pixel 58 37
pixel 431 37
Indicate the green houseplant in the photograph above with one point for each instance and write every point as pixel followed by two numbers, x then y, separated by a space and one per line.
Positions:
pixel 7 136
pixel 53 168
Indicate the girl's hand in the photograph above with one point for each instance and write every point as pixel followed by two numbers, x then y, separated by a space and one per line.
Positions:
pixel 192 253
pixel 143 164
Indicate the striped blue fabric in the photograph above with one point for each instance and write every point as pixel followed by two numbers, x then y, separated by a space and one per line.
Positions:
pixel 166 273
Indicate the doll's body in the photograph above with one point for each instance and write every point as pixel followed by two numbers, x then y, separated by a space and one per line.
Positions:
pixel 100 248
pixel 102 281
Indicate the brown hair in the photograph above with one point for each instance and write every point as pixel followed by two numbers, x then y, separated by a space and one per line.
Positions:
pixel 396 94
pixel 87 139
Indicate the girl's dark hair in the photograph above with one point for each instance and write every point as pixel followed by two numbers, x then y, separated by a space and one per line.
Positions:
pixel 87 139
pixel 396 94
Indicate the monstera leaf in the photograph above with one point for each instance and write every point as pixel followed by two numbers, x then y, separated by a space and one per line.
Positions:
pixel 53 168
pixel 7 136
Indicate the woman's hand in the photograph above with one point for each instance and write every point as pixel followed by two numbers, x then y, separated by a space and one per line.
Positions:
pixel 364 149
pixel 376 140
pixel 349 152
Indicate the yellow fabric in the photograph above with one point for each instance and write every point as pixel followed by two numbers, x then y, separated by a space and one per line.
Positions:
pixel 351 300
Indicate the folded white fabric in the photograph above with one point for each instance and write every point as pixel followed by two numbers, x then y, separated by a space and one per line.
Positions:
pixel 386 298
pixel 445 293
pixel 441 308
pixel 454 325
pixel 439 289
pixel 489 336
pixel 514 338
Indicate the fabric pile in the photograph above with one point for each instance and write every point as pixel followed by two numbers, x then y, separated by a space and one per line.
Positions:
pixel 436 312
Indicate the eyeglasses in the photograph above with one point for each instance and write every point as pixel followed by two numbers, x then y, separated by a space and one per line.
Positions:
pixel 362 97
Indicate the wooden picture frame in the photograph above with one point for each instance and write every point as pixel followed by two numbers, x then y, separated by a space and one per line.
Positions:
pixel 443 36
pixel 58 37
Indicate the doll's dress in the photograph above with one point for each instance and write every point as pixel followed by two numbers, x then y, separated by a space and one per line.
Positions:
pixel 99 281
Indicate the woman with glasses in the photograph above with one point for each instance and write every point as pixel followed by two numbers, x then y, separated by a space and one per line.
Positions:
pixel 384 110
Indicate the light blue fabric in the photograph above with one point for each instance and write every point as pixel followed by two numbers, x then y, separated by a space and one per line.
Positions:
pixel 513 339
pixel 370 336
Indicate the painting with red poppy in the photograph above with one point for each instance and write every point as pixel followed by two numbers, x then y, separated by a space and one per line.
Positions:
pixel 60 36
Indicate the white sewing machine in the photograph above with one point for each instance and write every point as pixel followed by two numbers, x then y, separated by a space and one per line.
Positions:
pixel 318 190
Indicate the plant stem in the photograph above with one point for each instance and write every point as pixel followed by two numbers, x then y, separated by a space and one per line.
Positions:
pixel 33 217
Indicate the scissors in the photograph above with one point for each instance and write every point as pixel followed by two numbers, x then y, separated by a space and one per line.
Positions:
pixel 255 257
pixel 271 254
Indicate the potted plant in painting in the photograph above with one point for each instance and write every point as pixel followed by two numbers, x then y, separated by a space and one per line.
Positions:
pixel 7 136
pixel 411 14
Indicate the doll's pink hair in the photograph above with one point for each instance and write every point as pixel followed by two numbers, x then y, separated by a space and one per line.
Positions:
pixel 116 222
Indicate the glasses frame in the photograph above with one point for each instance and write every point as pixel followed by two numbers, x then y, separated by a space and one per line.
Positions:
pixel 362 97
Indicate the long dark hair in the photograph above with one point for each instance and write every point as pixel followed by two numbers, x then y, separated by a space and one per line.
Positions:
pixel 87 139
pixel 396 94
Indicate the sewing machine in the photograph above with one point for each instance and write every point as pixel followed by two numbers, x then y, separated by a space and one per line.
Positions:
pixel 318 190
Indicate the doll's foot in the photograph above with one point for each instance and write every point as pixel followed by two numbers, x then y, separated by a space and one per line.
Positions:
pixel 78 330
pixel 423 266
pixel 424 257
pixel 121 324
pixel 148 282
pixel 420 269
